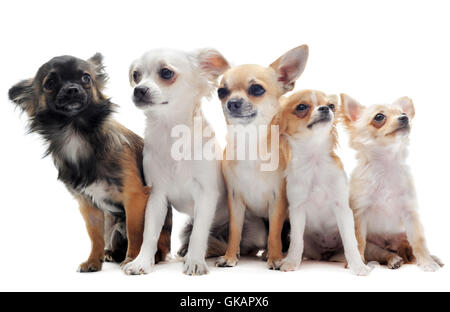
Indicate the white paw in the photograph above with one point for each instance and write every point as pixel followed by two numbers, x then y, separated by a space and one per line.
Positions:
pixel 395 262
pixel 429 266
pixel 226 263
pixel 138 266
pixel 361 270
pixel 289 265
pixel 195 267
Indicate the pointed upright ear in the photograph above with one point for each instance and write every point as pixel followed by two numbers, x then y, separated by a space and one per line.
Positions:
pixel 212 63
pixel 351 109
pixel 22 94
pixel 406 105
pixel 290 66
pixel 99 70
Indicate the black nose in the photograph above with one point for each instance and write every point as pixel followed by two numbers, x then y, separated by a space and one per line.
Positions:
pixel 140 93
pixel 403 119
pixel 72 91
pixel 234 105
pixel 324 109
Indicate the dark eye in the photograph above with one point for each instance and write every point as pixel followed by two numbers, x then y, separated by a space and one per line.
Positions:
pixel 223 93
pixel 301 107
pixel 86 78
pixel 256 90
pixel 166 74
pixel 136 76
pixel 331 106
pixel 50 84
pixel 379 117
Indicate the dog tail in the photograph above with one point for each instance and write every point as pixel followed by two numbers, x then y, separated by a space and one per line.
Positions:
pixel 217 241
pixel 119 242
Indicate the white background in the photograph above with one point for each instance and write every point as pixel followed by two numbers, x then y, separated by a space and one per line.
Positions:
pixel 376 52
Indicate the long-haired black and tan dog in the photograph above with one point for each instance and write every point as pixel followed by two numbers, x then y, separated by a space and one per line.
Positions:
pixel 99 160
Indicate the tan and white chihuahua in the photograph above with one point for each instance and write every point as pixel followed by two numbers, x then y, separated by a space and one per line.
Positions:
pixel 250 98
pixel 382 193
pixel 322 226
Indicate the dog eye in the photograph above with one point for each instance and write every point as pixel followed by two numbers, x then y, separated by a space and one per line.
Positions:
pixel 332 106
pixel 379 118
pixel 49 84
pixel 166 74
pixel 256 90
pixel 223 93
pixel 86 78
pixel 301 107
pixel 136 76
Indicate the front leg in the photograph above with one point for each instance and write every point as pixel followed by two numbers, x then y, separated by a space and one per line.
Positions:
pixel 135 202
pixel 154 220
pixel 346 225
pixel 277 216
pixel 204 211
pixel 94 219
pixel 236 208
pixel 415 234
pixel 361 233
pixel 297 216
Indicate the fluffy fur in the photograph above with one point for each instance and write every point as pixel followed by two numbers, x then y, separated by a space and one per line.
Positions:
pixel 322 226
pixel 169 86
pixel 98 160
pixel 250 98
pixel 382 193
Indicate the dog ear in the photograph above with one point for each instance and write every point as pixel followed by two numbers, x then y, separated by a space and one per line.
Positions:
pixel 290 66
pixel 351 109
pixel 212 62
pixel 22 94
pixel 99 70
pixel 406 105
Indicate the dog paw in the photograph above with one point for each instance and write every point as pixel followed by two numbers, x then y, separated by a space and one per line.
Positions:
pixel 138 266
pixel 395 262
pixel 109 256
pixel 429 266
pixel 361 270
pixel 90 266
pixel 125 262
pixel 274 264
pixel 195 267
pixel 288 265
pixel 224 262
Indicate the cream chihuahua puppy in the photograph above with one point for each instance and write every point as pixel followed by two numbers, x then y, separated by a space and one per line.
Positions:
pixel 250 98
pixel 382 193
pixel 322 226
pixel 169 86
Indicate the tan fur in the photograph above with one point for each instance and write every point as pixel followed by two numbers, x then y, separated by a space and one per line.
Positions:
pixel 94 220
pixel 276 79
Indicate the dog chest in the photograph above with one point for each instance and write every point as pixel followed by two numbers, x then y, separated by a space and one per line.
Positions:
pixel 259 189
pixel 105 197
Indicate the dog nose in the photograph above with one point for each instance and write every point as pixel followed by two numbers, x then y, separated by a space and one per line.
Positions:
pixel 234 105
pixel 72 91
pixel 403 119
pixel 324 109
pixel 140 92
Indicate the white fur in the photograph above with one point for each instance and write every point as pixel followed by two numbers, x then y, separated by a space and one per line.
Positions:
pixel 99 193
pixel 194 187
pixel 317 192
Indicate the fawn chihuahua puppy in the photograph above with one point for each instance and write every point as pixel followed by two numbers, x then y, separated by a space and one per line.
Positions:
pixel 382 193
pixel 98 159
pixel 250 98
pixel 168 87
pixel 322 226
